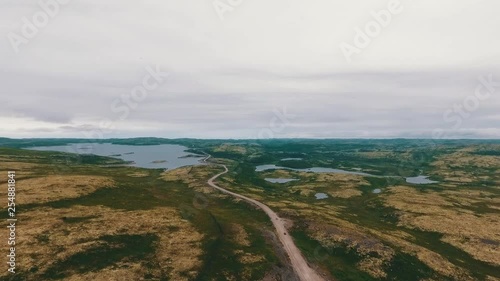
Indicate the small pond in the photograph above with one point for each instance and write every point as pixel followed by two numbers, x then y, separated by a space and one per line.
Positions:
pixel 279 180
pixel 314 170
pixel 321 196
pixel 420 180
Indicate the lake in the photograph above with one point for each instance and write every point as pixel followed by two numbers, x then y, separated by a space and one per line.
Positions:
pixel 164 156
pixel 279 180
pixel 321 196
pixel 420 180
pixel 413 180
pixel 314 170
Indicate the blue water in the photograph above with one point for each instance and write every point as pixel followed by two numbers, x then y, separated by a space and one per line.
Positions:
pixel 143 156
pixel 321 196
pixel 420 180
pixel 279 180
pixel 414 180
pixel 314 170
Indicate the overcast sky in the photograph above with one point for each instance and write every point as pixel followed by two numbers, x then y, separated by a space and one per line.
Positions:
pixel 250 68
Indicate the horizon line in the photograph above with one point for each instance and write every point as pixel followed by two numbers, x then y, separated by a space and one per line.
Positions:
pixel 254 139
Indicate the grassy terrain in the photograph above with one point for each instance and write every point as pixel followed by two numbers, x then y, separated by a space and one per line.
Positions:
pixel 156 225
pixel 136 226
pixel 408 232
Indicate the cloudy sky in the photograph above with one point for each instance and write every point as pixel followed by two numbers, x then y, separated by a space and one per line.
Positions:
pixel 250 69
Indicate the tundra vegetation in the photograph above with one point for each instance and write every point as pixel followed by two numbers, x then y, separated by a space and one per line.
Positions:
pixel 85 217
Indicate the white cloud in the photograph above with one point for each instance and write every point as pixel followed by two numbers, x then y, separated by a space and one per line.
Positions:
pixel 228 76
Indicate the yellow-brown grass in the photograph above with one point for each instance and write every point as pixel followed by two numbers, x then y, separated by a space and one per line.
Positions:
pixel 451 166
pixel 231 148
pixel 336 185
pixel 46 237
pixel 239 235
pixel 441 212
pixel 22 169
pixel 52 188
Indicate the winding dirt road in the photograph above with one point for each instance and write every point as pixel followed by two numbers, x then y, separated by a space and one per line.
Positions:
pixel 299 264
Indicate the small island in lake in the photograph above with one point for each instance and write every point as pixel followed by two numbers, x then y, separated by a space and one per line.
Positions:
pixel 159 161
pixel 191 156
